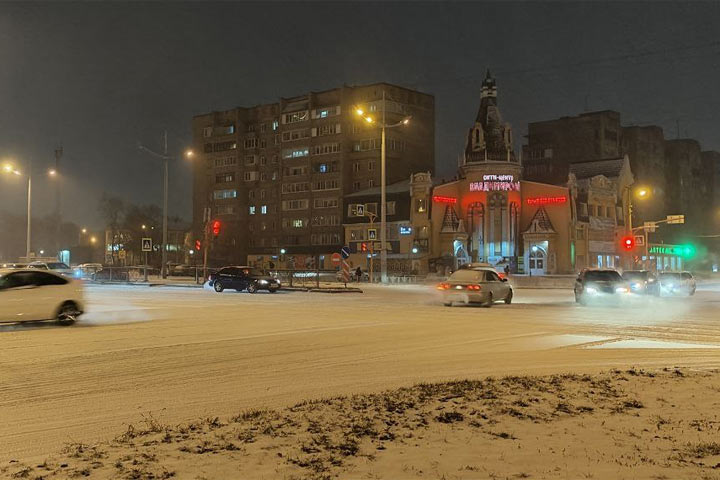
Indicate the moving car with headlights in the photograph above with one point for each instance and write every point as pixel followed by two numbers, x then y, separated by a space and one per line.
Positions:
pixel 34 294
pixel 243 278
pixel 475 285
pixel 499 268
pixel 677 283
pixel 600 286
pixel 642 282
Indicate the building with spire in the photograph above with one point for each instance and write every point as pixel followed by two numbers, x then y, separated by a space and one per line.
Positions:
pixel 489 214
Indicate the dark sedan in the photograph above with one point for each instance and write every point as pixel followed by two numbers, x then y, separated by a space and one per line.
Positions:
pixel 642 282
pixel 600 286
pixel 242 278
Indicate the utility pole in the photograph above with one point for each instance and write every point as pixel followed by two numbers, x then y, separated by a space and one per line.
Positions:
pixel 165 209
pixel 383 225
pixel 58 156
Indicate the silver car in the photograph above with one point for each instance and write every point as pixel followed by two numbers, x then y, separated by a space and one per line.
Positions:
pixel 478 285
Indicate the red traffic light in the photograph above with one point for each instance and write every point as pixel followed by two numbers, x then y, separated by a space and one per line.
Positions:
pixel 198 245
pixel 363 247
pixel 216 227
pixel 628 243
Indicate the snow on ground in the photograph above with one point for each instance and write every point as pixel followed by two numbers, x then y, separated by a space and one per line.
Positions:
pixel 186 353
pixel 623 424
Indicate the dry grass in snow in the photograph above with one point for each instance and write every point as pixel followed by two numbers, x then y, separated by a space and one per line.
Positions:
pixel 623 424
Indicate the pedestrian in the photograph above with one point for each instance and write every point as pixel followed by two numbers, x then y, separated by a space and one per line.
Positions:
pixel 507 270
pixel 358 274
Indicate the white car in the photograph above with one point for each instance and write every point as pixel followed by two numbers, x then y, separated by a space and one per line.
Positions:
pixel 57 267
pixel 34 294
pixel 476 285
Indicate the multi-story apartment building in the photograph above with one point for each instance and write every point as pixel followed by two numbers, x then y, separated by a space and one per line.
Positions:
pixel 275 174
pixel 679 179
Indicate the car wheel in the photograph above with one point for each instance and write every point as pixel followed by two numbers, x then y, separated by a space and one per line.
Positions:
pixel 272 289
pixel 219 287
pixel 490 301
pixel 508 299
pixel 252 288
pixel 68 313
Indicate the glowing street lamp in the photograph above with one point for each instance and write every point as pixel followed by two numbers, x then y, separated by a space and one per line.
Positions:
pixel 383 207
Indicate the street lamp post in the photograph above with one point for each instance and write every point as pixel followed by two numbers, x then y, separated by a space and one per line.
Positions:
pixel 165 158
pixel 640 192
pixel 383 206
pixel 9 168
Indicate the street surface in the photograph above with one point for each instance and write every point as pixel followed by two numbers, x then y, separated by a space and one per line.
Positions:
pixel 183 353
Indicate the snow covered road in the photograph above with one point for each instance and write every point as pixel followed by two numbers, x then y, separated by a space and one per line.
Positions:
pixel 182 353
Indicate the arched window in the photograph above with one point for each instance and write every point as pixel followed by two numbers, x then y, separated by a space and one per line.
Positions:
pixel 514 211
pixel 498 235
pixel 476 230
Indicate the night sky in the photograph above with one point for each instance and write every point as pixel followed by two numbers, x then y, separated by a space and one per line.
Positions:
pixel 99 77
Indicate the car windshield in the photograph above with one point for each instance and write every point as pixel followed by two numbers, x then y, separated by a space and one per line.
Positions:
pixel 466 276
pixel 603 276
pixel 57 266
pixel 635 275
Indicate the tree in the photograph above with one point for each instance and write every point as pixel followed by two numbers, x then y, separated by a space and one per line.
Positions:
pixel 112 209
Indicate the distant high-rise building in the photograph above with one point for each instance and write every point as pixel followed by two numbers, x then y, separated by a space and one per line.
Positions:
pixel 275 174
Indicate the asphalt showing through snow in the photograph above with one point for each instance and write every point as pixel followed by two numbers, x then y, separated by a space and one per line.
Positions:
pixel 182 353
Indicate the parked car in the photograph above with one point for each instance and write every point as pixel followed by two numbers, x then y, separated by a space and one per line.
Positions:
pixel 57 267
pixel 37 294
pixel 642 282
pixel 88 270
pixel 243 278
pixel 14 265
pixel 677 283
pixel 181 270
pixel 475 285
pixel 600 286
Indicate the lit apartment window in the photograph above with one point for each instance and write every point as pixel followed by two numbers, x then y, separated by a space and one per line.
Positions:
pixel 296 152
pixel 222 194
pixel 420 205
pixel 298 223
pixel 263 211
pixel 251 209
pixel 295 117
pixel 275 125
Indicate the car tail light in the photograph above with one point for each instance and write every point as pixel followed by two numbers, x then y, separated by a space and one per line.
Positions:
pixel 443 286
pixel 501 275
pixel 474 287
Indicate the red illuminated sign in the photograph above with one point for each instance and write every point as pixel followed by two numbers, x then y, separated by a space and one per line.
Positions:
pixel 546 200
pixel 441 199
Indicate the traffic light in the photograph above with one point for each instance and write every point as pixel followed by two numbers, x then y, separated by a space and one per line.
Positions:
pixel 216 227
pixel 628 242
pixel 363 247
pixel 198 245
pixel 687 250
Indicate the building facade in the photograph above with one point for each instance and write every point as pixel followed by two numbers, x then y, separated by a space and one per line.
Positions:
pixel 276 175
pixel 408 226
pixel 490 214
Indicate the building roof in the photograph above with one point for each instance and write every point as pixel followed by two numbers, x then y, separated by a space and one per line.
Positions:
pixel 397 187
pixel 610 168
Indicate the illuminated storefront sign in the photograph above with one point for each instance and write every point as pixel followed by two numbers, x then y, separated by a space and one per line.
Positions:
pixel 405 230
pixel 491 183
pixel 441 199
pixel 546 200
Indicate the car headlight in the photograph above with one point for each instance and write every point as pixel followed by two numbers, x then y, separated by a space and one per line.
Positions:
pixel 635 286
pixel 591 290
pixel 621 290
pixel 651 280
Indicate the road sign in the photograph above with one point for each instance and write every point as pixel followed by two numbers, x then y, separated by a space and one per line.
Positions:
pixel 649 226
pixel 372 233
pixel 345 252
pixel 336 259
pixel 640 240
pixel 675 219
pixel 345 271
pixel 121 254
pixel 147 245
